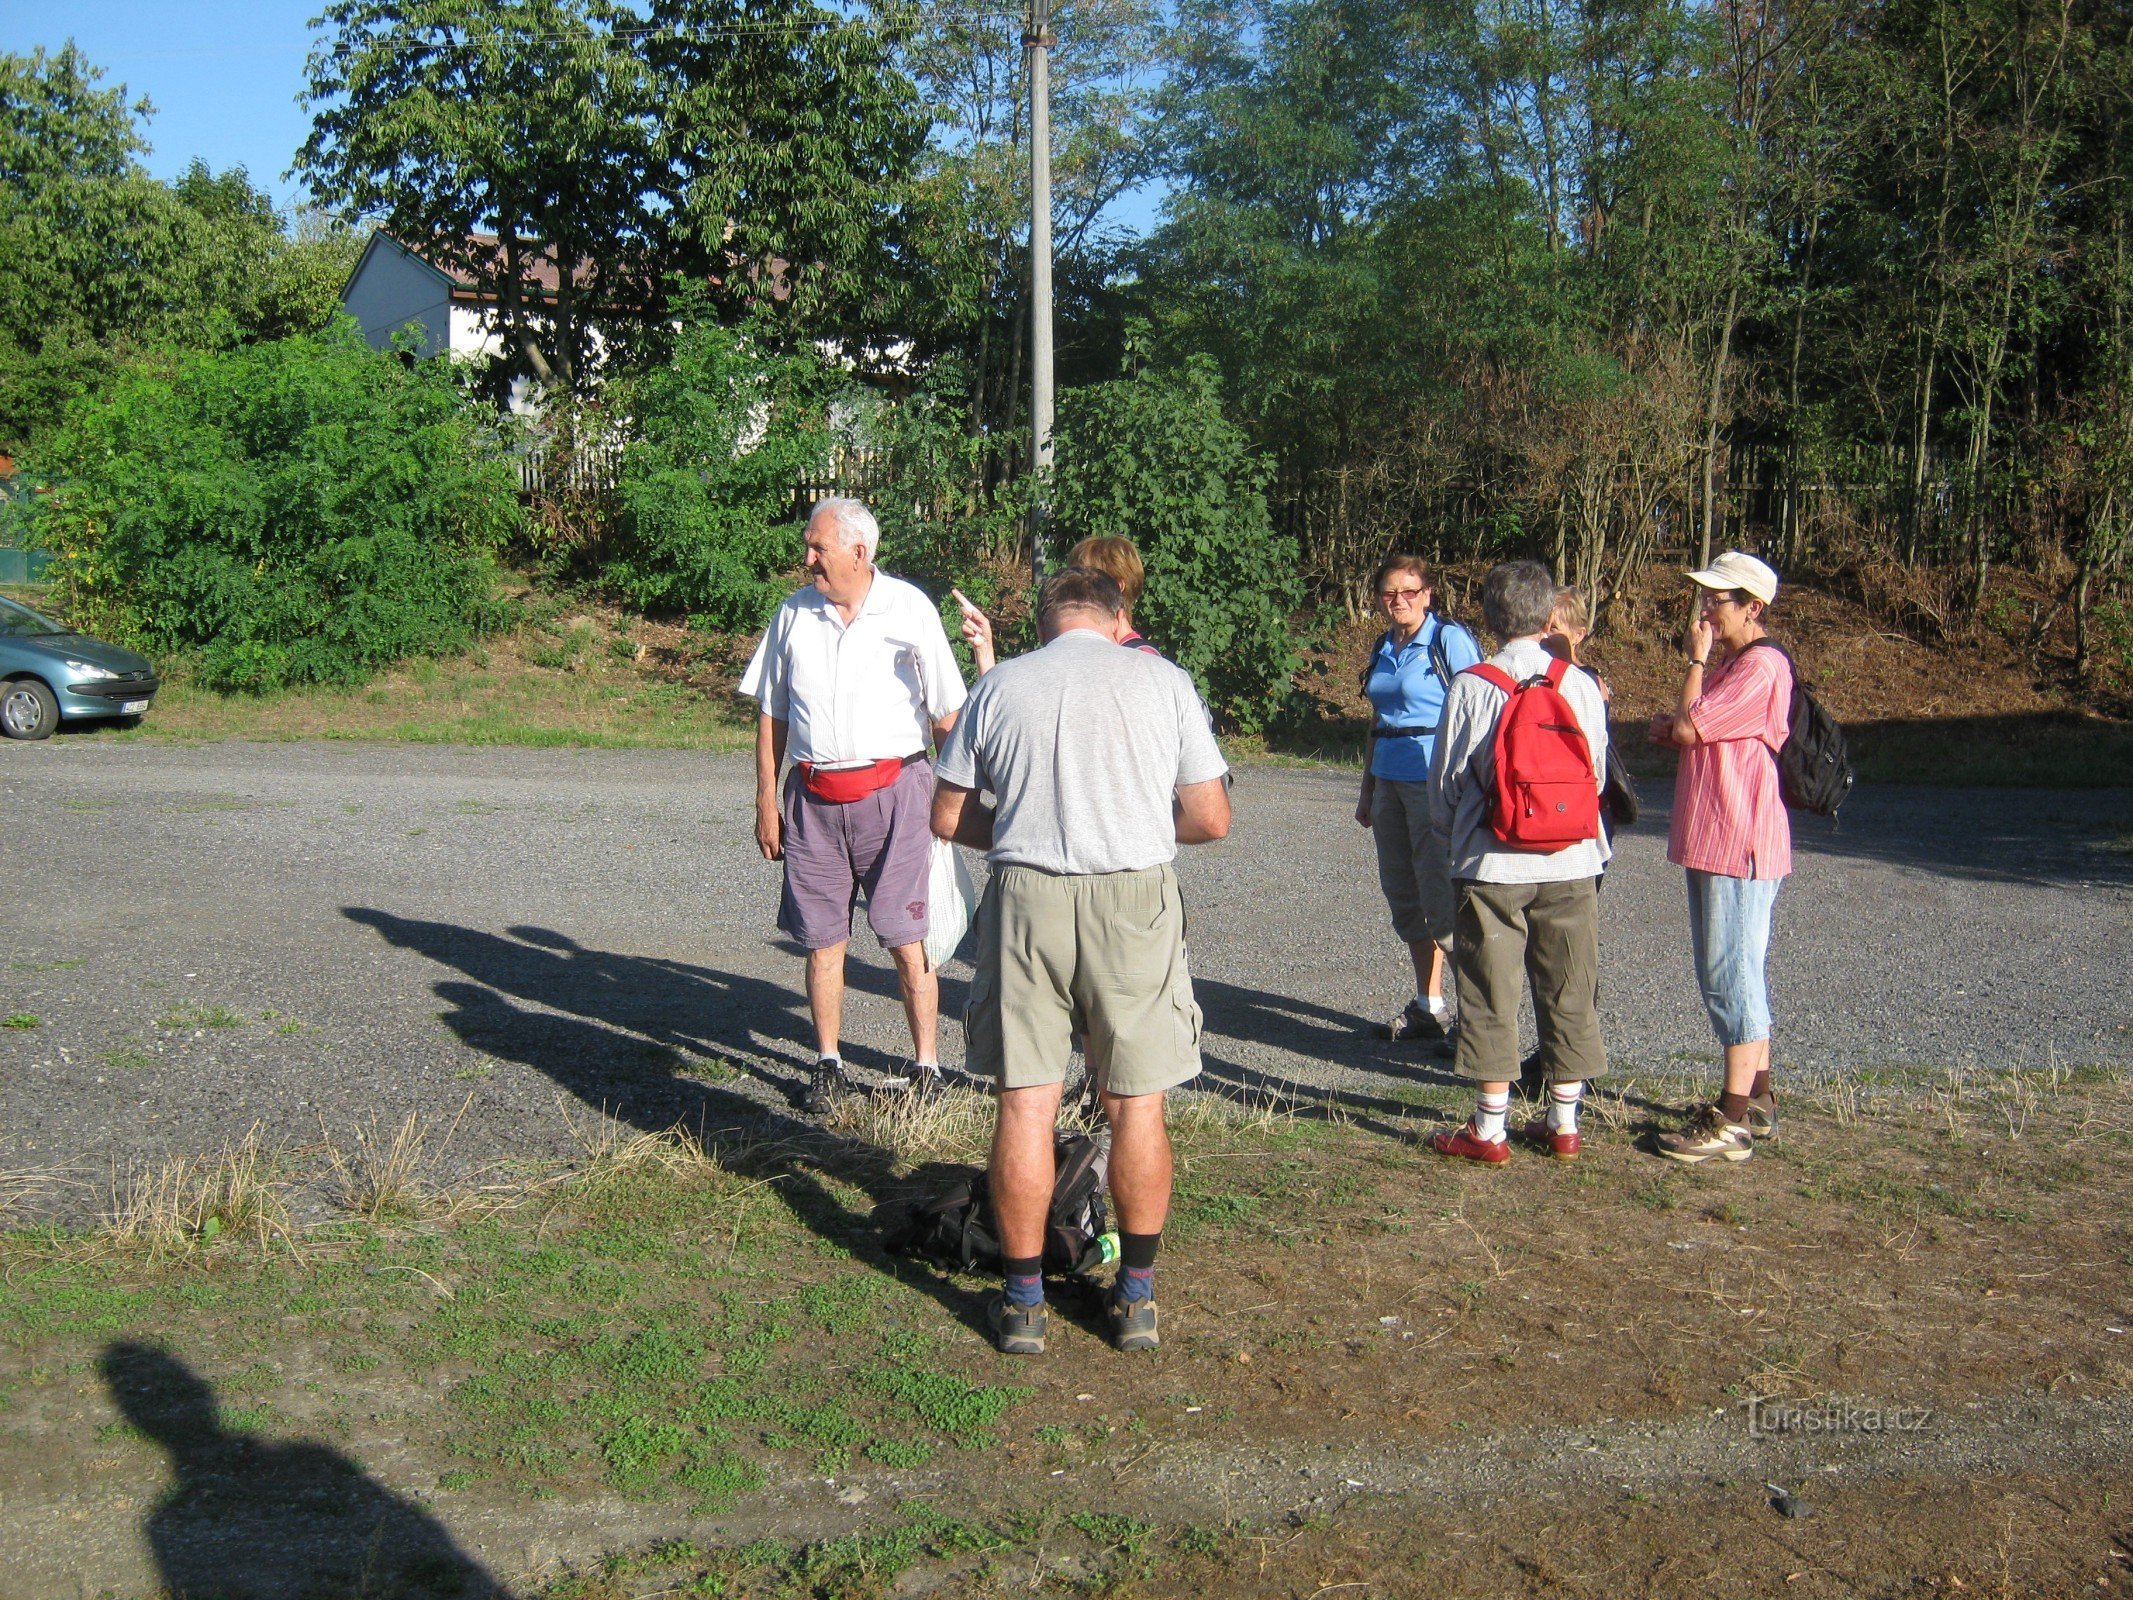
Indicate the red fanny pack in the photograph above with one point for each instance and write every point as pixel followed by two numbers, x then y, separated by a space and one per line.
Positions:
pixel 845 784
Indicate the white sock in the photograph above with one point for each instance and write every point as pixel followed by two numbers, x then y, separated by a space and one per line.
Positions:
pixel 1563 1101
pixel 1489 1114
pixel 1432 1003
pixel 831 1060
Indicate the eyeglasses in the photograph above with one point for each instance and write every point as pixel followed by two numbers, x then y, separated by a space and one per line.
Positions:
pixel 1393 597
pixel 1713 598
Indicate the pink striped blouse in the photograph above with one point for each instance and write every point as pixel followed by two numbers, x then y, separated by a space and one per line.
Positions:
pixel 1728 814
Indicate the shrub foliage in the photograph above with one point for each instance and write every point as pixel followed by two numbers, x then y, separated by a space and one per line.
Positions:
pixel 727 429
pixel 1153 458
pixel 301 511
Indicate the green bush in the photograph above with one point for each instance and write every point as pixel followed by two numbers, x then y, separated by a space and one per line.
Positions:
pixel 1151 457
pixel 301 511
pixel 727 431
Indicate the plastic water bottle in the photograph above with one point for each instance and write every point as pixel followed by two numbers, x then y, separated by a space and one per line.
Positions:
pixel 1107 1247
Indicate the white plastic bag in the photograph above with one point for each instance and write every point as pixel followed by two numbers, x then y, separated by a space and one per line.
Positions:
pixel 949 893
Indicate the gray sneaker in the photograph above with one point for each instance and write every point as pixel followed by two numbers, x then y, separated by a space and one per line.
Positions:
pixel 1415 1022
pixel 911 1078
pixel 1133 1324
pixel 1017 1330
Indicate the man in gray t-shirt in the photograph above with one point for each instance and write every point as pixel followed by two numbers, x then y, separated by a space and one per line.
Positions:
pixel 1101 764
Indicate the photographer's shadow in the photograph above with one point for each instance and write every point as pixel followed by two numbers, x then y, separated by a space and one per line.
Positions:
pixel 247 1517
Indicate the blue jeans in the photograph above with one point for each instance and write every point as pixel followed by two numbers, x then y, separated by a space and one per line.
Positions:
pixel 1729 932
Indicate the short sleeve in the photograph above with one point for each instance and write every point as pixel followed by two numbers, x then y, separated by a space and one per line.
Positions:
pixel 944 674
pixel 1199 757
pixel 768 679
pixel 1461 648
pixel 960 761
pixel 1741 704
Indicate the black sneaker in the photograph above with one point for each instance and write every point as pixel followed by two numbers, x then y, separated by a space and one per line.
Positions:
pixel 826 1087
pixel 1415 1022
pixel 925 1083
pixel 1017 1330
pixel 1133 1323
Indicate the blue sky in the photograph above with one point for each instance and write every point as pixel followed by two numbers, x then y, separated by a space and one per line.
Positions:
pixel 223 74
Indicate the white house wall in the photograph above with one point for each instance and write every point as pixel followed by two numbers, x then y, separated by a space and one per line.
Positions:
pixel 391 289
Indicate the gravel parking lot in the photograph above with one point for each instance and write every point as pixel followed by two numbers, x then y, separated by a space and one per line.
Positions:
pixel 308 936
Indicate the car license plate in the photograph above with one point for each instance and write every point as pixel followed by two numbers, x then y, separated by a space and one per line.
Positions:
pixel 132 708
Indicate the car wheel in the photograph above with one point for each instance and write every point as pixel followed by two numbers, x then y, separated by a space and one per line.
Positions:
pixel 28 710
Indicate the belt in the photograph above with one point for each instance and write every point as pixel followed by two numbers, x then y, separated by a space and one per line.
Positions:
pixel 1385 730
pixel 853 766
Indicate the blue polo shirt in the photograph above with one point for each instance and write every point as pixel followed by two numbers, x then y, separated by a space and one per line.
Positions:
pixel 1406 692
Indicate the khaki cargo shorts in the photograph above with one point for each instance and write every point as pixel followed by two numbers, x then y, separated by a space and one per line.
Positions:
pixel 1102 956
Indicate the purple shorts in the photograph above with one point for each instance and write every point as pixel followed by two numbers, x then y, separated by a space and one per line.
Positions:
pixel 882 843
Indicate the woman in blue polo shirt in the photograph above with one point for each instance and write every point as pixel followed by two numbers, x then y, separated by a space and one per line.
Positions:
pixel 1409 672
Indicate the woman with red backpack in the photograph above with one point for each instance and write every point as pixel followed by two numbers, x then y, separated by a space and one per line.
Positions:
pixel 1731 835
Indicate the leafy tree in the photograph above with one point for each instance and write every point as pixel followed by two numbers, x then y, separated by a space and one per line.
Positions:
pixel 785 138
pixel 97 257
pixel 494 135
pixel 300 511
pixel 1152 458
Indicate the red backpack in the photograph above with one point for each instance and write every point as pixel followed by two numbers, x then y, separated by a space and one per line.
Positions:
pixel 1547 796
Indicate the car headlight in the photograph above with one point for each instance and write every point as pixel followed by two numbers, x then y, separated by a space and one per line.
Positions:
pixel 89 672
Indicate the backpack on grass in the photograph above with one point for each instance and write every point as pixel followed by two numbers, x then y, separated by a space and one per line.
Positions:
pixel 1814 769
pixel 1547 794
pixel 956 1228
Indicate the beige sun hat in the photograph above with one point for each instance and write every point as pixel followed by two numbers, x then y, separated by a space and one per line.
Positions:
pixel 1736 569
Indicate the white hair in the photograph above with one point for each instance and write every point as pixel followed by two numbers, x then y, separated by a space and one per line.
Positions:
pixel 854 523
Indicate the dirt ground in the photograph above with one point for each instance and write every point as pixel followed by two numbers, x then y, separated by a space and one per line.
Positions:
pixel 1888 1356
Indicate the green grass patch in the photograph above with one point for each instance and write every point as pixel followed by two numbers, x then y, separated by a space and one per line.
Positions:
pixel 22 1019
pixel 198 1016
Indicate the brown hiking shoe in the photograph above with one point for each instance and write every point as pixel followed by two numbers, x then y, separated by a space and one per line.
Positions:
pixel 1710 1137
pixel 1762 1117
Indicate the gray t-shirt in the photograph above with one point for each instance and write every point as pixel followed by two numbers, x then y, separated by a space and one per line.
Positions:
pixel 1082 744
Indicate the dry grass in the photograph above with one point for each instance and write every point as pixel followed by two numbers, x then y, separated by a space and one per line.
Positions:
pixel 577 680
pixel 189 1201
pixel 391 1176
pixel 22 1192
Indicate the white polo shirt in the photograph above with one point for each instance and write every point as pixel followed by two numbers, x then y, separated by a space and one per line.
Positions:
pixel 868 692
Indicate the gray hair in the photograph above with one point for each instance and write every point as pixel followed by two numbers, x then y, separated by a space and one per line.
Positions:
pixel 1516 598
pixel 854 523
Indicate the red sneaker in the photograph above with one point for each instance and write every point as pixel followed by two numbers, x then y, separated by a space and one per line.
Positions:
pixel 1537 1135
pixel 1468 1145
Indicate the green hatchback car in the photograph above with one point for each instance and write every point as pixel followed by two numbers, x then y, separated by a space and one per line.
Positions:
pixel 50 674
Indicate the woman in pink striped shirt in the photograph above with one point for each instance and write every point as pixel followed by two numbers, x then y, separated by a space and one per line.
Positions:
pixel 1731 833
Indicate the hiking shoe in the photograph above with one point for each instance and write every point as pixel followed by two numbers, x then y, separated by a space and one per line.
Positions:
pixel 920 1082
pixel 1710 1137
pixel 1416 1022
pixel 1016 1330
pixel 1762 1117
pixel 1533 1078
pixel 825 1088
pixel 1132 1323
pixel 1537 1135
pixel 1468 1145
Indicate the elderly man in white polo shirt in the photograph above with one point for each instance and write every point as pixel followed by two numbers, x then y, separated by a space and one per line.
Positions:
pixel 855 679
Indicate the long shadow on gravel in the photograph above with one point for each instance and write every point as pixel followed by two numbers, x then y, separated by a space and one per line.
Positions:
pixel 615 1053
pixel 246 1517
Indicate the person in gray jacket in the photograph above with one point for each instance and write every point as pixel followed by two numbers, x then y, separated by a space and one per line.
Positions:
pixel 1521 914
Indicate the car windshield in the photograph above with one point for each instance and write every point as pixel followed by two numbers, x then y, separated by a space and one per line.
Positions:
pixel 20 621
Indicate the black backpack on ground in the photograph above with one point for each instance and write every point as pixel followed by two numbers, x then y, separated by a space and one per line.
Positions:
pixel 955 1229
pixel 1814 772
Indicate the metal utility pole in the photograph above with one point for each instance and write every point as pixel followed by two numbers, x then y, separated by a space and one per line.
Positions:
pixel 1038 41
